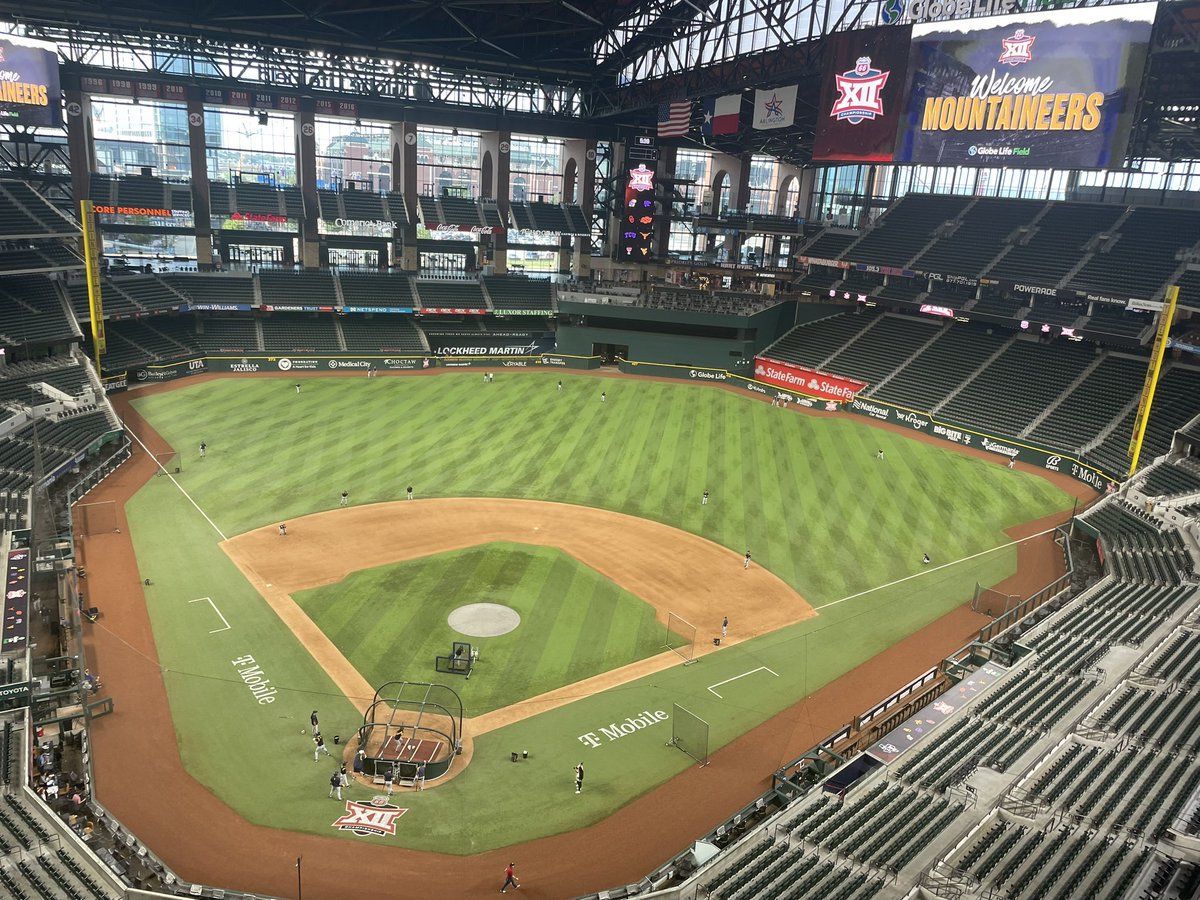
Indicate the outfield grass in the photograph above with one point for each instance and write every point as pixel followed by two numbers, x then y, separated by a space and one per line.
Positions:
pixel 390 621
pixel 805 494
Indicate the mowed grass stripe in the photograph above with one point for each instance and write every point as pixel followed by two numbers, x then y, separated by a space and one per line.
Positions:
pixel 391 621
pixel 831 520
pixel 840 526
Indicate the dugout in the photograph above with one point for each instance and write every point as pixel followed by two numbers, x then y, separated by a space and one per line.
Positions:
pixel 677 337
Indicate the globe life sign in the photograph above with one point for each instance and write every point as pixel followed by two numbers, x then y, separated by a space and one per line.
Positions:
pixel 893 12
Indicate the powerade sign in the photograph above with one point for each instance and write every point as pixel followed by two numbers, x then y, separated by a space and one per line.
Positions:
pixel 1047 90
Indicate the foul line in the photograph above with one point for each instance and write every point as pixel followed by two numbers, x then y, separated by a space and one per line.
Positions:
pixel 176 483
pixel 936 568
pixel 217 611
pixel 711 687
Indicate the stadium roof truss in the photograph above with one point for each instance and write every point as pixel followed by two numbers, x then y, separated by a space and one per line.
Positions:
pixel 1169 127
pixel 588 64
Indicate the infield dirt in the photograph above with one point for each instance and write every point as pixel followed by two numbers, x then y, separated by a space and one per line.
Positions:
pixel 139 775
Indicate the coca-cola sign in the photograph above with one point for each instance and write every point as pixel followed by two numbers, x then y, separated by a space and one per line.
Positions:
pixel 468 229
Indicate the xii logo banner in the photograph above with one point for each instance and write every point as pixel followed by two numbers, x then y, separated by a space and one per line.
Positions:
pixel 377 817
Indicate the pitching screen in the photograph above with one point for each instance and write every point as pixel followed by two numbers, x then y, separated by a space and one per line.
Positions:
pixel 862 93
pixel 29 88
pixel 1042 89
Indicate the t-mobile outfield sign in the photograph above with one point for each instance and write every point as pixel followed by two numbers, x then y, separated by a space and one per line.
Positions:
pixel 806 381
pixel 1004 447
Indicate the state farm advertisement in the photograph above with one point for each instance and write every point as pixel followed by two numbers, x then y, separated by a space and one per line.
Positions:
pixel 806 381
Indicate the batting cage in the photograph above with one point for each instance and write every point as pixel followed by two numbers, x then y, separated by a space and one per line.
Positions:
pixel 410 723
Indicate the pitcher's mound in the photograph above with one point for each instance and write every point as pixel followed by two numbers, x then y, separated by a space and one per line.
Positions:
pixel 484 619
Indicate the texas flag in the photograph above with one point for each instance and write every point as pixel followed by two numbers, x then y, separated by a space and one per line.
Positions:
pixel 722 114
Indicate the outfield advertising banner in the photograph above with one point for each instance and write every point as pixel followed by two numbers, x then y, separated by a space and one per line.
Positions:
pixel 482 344
pixel 806 381
pixel 1040 89
pixel 862 94
pixel 29 89
pixel 1008 448
pixel 169 372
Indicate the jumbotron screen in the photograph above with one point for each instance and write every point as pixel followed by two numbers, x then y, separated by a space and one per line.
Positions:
pixel 638 218
pixel 1042 89
pixel 29 88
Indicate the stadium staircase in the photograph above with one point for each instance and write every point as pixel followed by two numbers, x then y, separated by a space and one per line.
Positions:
pixel 258 335
pixel 917 351
pixel 878 349
pixel 871 324
pixel 487 295
pixel 1119 416
pixel 1099 243
pixel 999 351
pixel 339 297
pixel 1064 778
pixel 258 294
pixel 1021 236
pixel 1063 394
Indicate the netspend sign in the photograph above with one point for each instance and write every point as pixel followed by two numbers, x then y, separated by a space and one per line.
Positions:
pixel 806 381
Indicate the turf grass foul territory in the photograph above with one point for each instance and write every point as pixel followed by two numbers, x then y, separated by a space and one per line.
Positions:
pixel 807 495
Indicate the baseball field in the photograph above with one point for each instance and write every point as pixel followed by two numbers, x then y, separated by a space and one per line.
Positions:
pixel 582 517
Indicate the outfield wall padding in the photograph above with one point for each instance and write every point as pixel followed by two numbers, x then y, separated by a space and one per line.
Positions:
pixel 253 364
pixel 1002 445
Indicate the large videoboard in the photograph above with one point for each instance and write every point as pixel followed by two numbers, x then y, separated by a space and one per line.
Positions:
pixel 29 88
pixel 638 211
pixel 1043 89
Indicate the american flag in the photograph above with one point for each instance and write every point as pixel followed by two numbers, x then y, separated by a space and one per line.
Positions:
pixel 674 118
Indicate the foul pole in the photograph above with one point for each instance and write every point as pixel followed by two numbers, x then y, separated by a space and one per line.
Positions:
pixel 1166 317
